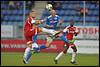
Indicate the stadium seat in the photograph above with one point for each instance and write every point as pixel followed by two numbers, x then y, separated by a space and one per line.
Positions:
pixel 3 11
pixel 20 12
pixel 66 11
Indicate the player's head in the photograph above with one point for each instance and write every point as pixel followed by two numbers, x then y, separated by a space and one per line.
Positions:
pixel 71 22
pixel 33 13
pixel 53 12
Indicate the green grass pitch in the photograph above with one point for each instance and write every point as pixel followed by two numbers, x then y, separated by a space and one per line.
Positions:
pixel 46 59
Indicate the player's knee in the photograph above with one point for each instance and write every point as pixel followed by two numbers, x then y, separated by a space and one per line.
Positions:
pixel 29 43
pixel 47 45
pixel 49 40
pixel 74 50
pixel 65 50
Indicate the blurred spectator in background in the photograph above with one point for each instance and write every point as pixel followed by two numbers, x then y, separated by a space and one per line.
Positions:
pixel 11 5
pixel 78 8
pixel 19 4
pixel 83 10
pixel 2 18
pixel 58 5
pixel 29 4
pixel 15 4
pixel 97 17
pixel 95 3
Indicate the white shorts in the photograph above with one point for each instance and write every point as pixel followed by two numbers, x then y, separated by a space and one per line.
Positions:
pixel 35 45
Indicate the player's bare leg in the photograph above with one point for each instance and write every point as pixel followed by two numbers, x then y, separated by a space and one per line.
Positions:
pixel 61 54
pixel 48 41
pixel 73 60
pixel 56 33
pixel 27 53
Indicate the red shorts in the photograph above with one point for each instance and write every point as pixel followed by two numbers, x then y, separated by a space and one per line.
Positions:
pixel 69 45
pixel 28 38
pixel 28 35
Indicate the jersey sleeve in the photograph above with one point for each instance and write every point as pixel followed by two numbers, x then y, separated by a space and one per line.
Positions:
pixel 28 27
pixel 76 31
pixel 47 21
pixel 65 30
pixel 58 19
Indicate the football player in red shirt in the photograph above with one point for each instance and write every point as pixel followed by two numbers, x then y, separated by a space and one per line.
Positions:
pixel 71 32
pixel 30 29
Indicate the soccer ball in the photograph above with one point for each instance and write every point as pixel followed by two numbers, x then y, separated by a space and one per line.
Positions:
pixel 49 6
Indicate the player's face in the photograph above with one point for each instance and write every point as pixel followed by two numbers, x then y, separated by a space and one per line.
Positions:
pixel 71 23
pixel 33 14
pixel 53 12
